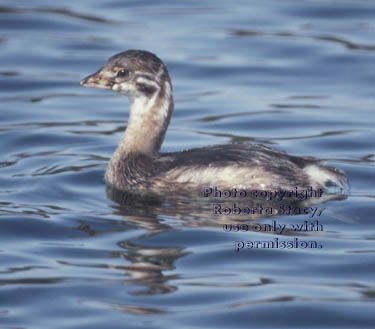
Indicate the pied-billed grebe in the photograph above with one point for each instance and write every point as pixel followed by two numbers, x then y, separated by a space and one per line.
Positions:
pixel 137 163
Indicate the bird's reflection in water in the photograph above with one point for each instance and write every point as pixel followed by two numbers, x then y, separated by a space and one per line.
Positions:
pixel 210 211
pixel 154 215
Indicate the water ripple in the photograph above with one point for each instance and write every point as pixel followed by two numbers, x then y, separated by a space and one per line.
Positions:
pixel 332 39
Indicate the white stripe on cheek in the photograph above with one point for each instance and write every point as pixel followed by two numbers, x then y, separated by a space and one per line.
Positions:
pixel 147 82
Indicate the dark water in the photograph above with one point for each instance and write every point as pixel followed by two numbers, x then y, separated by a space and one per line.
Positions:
pixel 294 75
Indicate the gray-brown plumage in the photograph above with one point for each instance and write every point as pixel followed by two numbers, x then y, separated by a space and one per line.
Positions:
pixel 137 164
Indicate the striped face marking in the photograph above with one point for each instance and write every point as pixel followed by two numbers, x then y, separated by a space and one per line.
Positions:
pixel 146 85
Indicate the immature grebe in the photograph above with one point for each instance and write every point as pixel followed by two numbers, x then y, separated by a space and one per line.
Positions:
pixel 137 163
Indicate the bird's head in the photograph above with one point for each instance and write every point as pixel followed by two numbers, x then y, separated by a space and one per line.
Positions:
pixel 134 73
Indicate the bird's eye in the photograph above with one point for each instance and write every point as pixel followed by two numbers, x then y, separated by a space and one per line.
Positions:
pixel 122 73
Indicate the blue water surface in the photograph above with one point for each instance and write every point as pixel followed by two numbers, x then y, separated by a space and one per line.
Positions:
pixel 293 75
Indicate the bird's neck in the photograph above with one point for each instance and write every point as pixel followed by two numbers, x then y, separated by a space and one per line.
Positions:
pixel 148 121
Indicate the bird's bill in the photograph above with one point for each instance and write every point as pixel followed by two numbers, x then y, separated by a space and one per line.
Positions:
pixel 98 80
